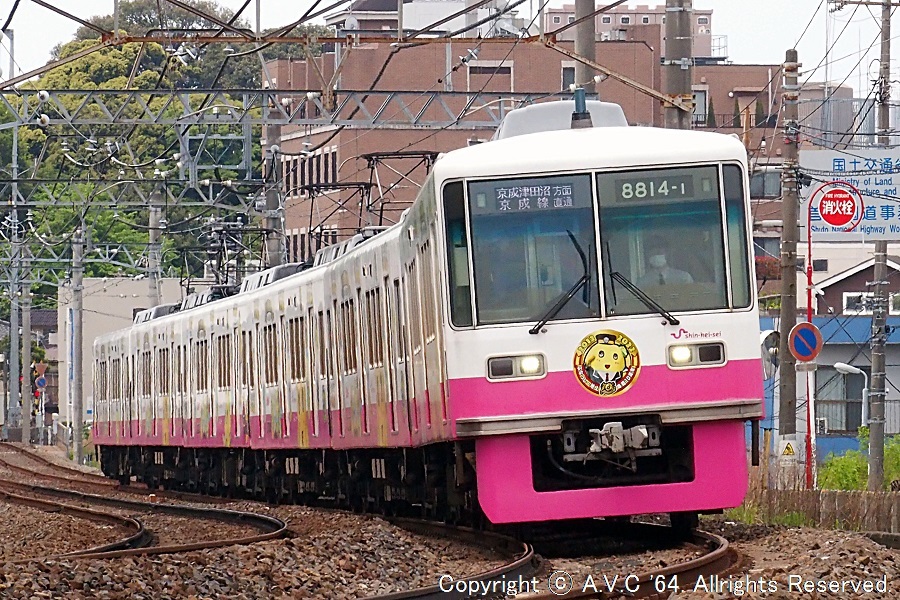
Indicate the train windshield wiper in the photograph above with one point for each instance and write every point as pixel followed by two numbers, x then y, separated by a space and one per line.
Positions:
pixel 582 281
pixel 643 297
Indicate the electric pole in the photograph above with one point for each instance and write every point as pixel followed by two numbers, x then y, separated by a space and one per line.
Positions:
pixel 27 396
pixel 677 75
pixel 585 45
pixel 787 383
pixel 274 233
pixel 77 322
pixel 153 254
pixel 879 309
pixel 14 413
pixel 14 364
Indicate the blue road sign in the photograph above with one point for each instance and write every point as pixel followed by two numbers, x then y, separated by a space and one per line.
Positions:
pixel 805 342
pixel 41 382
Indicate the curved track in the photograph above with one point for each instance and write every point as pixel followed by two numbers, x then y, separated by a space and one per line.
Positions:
pixel 525 563
pixel 657 583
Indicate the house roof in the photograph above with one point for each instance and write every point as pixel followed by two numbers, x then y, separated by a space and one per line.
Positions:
pixel 375 5
pixel 893 262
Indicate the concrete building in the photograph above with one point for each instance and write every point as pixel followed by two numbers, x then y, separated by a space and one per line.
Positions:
pixel 619 22
pixel 109 304
pixel 380 16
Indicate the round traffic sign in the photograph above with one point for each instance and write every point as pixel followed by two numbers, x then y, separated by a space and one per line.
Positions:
pixel 837 207
pixel 41 382
pixel 805 341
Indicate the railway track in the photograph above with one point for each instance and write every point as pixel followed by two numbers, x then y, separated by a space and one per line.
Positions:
pixel 717 558
pixel 525 564
pixel 271 527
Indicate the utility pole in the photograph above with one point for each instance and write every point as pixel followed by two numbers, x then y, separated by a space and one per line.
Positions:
pixel 27 396
pixel 879 310
pixel 14 389
pixel 787 383
pixel 153 254
pixel 274 233
pixel 77 323
pixel 677 75
pixel 14 412
pixel 585 45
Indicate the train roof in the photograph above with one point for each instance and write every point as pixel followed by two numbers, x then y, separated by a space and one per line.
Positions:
pixel 590 148
pixel 156 312
pixel 549 116
pixel 263 278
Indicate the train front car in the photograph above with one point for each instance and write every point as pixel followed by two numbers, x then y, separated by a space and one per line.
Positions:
pixel 603 338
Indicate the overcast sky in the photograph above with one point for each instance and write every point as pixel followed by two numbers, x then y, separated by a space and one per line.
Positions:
pixel 757 32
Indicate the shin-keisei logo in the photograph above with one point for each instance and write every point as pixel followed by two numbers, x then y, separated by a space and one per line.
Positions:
pixel 606 363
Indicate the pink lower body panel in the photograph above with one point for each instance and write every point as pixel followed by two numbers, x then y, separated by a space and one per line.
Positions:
pixel 507 495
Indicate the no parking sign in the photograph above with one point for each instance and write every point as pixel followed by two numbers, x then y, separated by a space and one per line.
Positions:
pixel 805 342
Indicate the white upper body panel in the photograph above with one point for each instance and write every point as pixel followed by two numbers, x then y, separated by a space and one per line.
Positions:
pixel 585 149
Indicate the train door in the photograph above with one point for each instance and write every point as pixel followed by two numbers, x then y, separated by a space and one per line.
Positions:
pixel 241 384
pixel 256 386
pixel 419 390
pixel 312 366
pixel 335 404
pixel 281 378
pixel 405 384
pixel 390 353
pixel 178 390
pixel 192 385
pixel 131 391
pixel 172 374
pixel 348 341
pixel 433 359
pixel 323 401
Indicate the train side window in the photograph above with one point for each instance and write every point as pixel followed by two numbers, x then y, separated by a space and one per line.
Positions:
pixel 457 255
pixel 737 236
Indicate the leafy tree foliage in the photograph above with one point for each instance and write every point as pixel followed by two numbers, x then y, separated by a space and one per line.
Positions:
pixel 204 68
pixel 97 152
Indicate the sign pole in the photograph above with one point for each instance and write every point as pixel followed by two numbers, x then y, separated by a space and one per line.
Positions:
pixel 810 375
pixel 787 381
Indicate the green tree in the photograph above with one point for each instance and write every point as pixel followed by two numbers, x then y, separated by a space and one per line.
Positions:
pixel 737 114
pixel 710 114
pixel 760 114
pixel 228 66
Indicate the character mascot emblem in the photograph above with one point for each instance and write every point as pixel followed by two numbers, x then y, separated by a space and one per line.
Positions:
pixel 606 363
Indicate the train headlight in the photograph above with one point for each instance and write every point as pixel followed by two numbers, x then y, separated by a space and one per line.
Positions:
pixel 513 367
pixel 696 355
pixel 530 365
pixel 680 355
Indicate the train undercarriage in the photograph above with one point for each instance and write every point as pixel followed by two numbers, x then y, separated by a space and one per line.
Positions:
pixel 436 481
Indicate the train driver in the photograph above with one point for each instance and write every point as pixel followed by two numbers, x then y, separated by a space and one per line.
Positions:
pixel 659 272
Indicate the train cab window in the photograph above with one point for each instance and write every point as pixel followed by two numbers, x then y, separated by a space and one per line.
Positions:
pixel 458 255
pixel 661 231
pixel 533 245
pixel 736 220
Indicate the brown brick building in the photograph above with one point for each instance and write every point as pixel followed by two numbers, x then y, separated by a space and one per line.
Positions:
pixel 324 155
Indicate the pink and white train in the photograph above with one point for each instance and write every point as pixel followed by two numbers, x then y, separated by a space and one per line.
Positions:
pixel 563 325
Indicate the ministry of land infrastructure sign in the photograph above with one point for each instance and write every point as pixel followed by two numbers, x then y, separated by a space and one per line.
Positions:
pixel 854 195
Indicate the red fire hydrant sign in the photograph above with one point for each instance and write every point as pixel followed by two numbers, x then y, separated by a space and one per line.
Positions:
pixel 838 207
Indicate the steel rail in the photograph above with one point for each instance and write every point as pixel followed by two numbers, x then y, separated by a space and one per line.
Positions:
pixel 272 527
pixel 49 463
pixel 659 583
pixel 139 537
pixel 525 562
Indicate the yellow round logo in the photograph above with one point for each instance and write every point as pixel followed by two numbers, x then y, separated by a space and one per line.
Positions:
pixel 606 363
